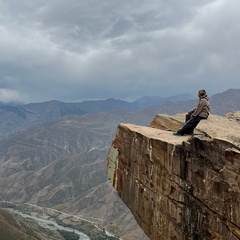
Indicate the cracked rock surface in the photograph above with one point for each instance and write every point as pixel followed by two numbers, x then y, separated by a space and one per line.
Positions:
pixel 180 187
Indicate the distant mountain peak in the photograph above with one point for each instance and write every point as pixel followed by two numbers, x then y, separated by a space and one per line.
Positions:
pixel 147 101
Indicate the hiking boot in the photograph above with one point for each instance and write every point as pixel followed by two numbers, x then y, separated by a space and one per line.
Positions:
pixel 177 133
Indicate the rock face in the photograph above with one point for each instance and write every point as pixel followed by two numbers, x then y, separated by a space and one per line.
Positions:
pixel 184 187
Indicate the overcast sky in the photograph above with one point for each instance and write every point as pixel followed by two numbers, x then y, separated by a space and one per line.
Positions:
pixel 75 50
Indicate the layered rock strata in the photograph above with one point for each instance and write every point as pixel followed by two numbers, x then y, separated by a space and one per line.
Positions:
pixel 184 187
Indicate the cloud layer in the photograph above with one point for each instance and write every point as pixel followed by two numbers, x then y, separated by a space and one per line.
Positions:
pixel 76 50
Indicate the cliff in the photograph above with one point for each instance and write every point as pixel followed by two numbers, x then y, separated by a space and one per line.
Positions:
pixel 180 187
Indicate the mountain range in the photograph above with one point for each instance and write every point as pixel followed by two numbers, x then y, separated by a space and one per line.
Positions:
pixel 14 117
pixel 53 154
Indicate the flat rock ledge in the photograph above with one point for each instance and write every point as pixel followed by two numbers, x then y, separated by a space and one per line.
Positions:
pixel 180 187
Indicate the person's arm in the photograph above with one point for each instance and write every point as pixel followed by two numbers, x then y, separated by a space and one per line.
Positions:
pixel 192 111
pixel 199 108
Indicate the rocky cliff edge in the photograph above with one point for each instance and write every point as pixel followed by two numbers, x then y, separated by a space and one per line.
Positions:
pixel 180 187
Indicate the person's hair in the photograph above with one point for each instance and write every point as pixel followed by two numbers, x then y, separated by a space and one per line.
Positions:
pixel 202 92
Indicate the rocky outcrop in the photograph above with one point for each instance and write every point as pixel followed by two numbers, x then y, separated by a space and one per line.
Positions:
pixel 184 187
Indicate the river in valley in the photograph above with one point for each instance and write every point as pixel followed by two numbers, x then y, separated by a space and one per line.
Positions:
pixel 53 225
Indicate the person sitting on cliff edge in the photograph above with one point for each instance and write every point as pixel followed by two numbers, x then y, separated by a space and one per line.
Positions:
pixel 193 117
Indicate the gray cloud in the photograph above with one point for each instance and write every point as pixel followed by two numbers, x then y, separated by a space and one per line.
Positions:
pixel 76 50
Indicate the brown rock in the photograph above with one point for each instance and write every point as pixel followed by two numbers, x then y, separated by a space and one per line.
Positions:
pixel 180 187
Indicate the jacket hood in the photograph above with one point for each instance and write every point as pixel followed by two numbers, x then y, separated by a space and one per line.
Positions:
pixel 205 96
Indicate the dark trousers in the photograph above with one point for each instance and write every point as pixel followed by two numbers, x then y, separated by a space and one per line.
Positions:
pixel 190 124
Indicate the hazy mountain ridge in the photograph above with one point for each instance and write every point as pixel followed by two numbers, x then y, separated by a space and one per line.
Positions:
pixel 221 103
pixel 62 163
pixel 229 101
pixel 15 118
pixel 147 101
